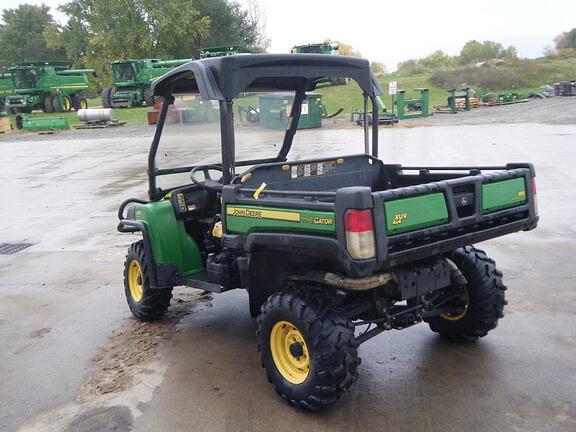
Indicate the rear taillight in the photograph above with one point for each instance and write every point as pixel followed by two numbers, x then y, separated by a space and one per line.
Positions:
pixel 359 228
pixel 535 198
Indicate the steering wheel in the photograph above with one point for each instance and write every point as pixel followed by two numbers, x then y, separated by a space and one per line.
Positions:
pixel 208 183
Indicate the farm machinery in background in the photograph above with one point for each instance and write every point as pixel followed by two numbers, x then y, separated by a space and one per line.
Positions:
pixel 49 86
pixel 6 89
pixel 317 48
pixel 221 51
pixel 132 80
pixel 329 48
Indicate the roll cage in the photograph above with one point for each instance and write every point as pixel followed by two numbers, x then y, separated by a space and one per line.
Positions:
pixel 224 78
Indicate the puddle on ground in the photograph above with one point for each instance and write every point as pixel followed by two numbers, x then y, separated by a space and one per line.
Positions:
pixel 114 418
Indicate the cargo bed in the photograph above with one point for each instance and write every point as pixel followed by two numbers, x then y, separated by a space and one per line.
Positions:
pixel 418 212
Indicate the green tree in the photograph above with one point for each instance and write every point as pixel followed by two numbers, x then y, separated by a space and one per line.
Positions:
pixel 566 40
pixel 410 67
pixel 73 37
pixel 437 60
pixel 117 29
pixel 21 35
pixel 474 51
pixel 510 53
pixel 378 68
pixel 230 24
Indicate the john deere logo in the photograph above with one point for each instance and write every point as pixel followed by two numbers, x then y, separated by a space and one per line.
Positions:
pixel 399 218
pixel 520 196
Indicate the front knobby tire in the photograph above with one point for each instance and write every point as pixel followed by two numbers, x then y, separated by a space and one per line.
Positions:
pixel 47 105
pixel 61 103
pixel 307 347
pixel 79 101
pixel 484 294
pixel 145 303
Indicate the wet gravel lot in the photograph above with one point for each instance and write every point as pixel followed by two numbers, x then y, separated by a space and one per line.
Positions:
pixel 72 358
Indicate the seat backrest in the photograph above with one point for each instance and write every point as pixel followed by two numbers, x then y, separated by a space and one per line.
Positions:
pixel 327 174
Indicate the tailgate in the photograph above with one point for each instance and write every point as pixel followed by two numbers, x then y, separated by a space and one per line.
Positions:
pixel 418 221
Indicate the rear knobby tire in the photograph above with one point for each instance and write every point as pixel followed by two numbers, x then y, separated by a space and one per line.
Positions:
pixel 105 97
pixel 150 304
pixel 328 337
pixel 486 299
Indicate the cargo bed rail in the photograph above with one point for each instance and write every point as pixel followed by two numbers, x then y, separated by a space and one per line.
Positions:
pixel 468 220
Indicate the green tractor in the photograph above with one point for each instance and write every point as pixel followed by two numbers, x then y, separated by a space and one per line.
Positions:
pixel 132 80
pixel 49 86
pixel 6 88
pixel 331 250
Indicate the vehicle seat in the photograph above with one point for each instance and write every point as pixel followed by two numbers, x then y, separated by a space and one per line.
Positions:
pixel 192 201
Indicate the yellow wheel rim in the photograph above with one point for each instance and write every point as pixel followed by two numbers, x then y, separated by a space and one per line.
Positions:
pixel 290 352
pixel 458 315
pixel 83 104
pixel 67 104
pixel 135 280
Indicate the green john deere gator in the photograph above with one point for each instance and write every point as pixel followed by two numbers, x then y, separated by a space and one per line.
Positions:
pixel 49 86
pixel 332 250
pixel 132 80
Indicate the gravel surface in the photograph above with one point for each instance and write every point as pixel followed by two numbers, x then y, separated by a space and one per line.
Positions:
pixel 561 110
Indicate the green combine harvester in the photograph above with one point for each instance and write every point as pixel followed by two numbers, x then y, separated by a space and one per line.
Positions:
pixel 220 51
pixel 329 48
pixel 49 86
pixel 6 88
pixel 132 79
pixel 317 48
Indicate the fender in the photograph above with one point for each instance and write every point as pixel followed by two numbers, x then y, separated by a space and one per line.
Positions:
pixel 172 252
pixel 316 246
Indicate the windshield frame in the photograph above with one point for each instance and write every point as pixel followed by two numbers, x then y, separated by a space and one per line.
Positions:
pixel 227 141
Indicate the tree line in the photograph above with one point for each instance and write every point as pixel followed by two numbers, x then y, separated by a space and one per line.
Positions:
pixel 474 52
pixel 471 53
pixel 98 31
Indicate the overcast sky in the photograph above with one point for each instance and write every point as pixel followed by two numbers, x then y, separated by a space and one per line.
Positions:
pixel 390 32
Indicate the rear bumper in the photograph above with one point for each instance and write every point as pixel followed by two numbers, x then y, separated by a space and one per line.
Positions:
pixel 460 229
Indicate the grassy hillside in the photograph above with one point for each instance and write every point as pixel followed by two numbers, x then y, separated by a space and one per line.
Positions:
pixel 517 76
pixel 349 97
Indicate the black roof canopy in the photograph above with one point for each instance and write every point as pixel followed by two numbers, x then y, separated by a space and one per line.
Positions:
pixel 223 78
